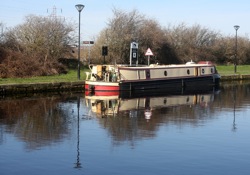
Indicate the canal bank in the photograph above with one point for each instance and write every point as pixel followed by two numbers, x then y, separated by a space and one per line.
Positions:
pixel 13 89
pixel 234 77
pixel 76 86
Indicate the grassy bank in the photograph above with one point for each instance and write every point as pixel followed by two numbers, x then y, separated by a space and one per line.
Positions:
pixel 71 76
pixel 229 70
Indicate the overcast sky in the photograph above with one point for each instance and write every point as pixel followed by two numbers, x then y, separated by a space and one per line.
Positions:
pixel 217 15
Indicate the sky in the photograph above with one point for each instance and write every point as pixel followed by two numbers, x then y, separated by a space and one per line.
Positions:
pixel 217 15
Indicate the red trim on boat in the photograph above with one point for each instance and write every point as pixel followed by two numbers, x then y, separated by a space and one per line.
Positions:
pixel 106 93
pixel 90 87
pixel 86 87
pixel 102 93
pixel 106 88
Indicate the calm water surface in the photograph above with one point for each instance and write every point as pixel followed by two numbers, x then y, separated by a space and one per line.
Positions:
pixel 197 133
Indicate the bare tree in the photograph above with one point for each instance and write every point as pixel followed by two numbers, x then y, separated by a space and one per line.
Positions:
pixel 43 36
pixel 41 40
pixel 191 43
pixel 126 27
pixel 243 50
pixel 122 29
pixel 1 31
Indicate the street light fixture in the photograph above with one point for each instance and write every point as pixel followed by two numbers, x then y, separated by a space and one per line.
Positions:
pixel 236 27
pixel 79 7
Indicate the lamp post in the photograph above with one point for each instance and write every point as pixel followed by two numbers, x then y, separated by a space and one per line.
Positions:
pixel 79 7
pixel 236 27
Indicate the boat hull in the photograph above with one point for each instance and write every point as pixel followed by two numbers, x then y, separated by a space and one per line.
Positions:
pixel 100 88
pixel 160 84
pixel 167 84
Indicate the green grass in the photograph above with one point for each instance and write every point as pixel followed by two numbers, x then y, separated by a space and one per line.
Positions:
pixel 229 70
pixel 72 75
pixel 69 77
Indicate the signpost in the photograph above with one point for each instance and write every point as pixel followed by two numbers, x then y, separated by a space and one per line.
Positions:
pixel 88 43
pixel 104 52
pixel 133 53
pixel 149 53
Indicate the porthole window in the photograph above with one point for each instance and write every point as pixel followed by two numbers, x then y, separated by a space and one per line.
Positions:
pixel 212 70
pixel 165 101
pixel 165 73
pixel 188 71
pixel 203 71
pixel 147 74
pixel 202 98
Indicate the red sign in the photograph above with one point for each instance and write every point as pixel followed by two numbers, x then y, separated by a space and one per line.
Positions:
pixel 88 42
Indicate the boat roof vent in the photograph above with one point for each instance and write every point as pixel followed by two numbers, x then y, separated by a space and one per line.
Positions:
pixel 190 62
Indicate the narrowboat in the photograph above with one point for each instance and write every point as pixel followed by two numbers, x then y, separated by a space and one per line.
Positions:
pixel 112 79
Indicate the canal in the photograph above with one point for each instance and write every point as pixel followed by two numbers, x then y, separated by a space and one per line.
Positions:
pixel 203 132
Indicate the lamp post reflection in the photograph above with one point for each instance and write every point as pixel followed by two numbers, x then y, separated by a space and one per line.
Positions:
pixel 78 163
pixel 234 99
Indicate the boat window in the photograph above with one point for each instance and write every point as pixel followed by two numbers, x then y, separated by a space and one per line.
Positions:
pixel 165 101
pixel 212 70
pixel 203 71
pixel 147 74
pixel 202 98
pixel 188 71
pixel 165 73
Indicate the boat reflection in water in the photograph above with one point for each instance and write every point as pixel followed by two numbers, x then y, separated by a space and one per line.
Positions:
pixel 112 105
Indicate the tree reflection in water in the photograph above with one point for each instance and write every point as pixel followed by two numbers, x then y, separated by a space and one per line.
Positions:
pixel 130 119
pixel 38 121
pixel 42 121
pixel 175 126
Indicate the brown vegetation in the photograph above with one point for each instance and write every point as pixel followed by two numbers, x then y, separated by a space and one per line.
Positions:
pixel 170 45
pixel 35 47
